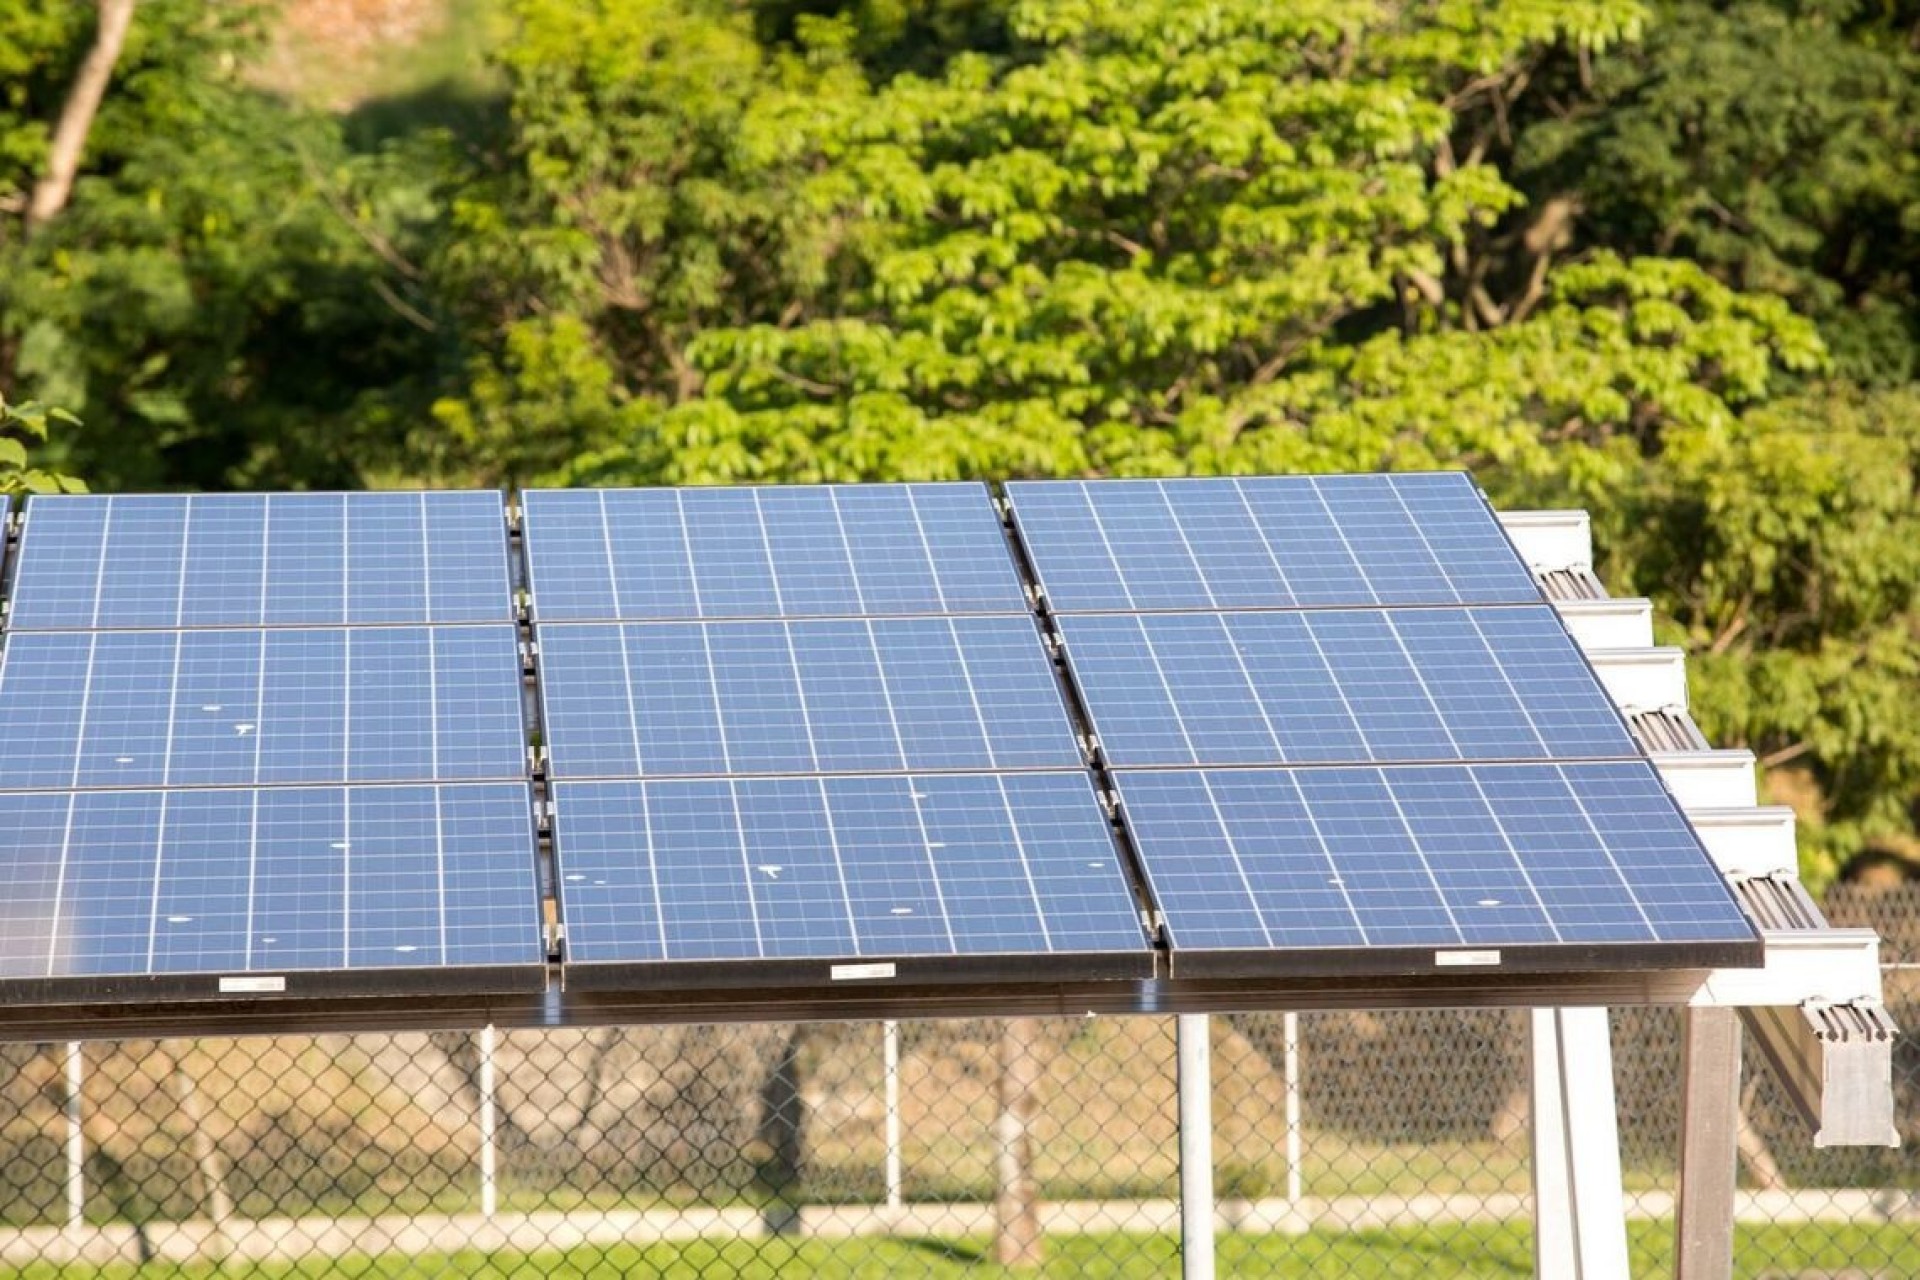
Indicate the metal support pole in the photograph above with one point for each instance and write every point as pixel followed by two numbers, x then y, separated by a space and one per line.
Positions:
pixel 1709 1135
pixel 489 1183
pixel 1195 1083
pixel 76 1140
pixel 890 1050
pixel 1290 1033
pixel 1580 1222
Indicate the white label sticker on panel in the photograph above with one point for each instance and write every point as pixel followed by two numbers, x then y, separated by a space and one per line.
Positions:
pixel 848 972
pixel 251 985
pixel 1465 958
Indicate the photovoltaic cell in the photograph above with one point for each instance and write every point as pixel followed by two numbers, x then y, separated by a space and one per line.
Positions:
pixel 1266 542
pixel 1339 685
pixel 250 560
pixel 804 696
pixel 754 552
pixel 119 884
pixel 143 709
pixel 1342 860
pixel 842 868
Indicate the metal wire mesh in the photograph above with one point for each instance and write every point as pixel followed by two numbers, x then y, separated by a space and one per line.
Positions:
pixel 1344 1143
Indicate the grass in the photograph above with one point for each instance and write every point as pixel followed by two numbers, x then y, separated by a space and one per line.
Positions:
pixel 1476 1252
pixel 449 51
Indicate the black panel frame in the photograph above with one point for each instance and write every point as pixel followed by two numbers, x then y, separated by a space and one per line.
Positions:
pixel 555 1007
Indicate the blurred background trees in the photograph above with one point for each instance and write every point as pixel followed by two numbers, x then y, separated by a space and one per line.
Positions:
pixel 1656 259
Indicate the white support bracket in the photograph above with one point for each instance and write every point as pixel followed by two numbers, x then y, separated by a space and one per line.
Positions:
pixel 1609 624
pixel 1834 1062
pixel 1646 679
pixel 1814 1009
pixel 1549 540
pixel 1709 779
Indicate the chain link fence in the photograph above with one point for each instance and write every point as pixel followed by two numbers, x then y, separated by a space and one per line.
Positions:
pixel 1344 1143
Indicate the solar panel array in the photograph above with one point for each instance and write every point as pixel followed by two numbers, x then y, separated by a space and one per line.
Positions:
pixel 1215 627
pixel 276 740
pixel 861 755
pixel 1272 726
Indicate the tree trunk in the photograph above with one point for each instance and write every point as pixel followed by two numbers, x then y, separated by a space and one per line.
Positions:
pixel 1755 1156
pixel 1017 1206
pixel 206 1154
pixel 781 1140
pixel 50 194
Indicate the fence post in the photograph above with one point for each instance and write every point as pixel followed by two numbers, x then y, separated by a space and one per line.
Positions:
pixel 76 1140
pixel 890 1057
pixel 1194 1077
pixel 489 1185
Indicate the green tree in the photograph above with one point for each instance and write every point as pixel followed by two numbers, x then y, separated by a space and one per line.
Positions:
pixel 212 300
pixel 623 219
pixel 22 426
pixel 1776 143
pixel 1784 553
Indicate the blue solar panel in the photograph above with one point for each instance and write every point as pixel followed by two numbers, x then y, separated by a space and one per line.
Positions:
pixel 844 868
pixel 246 707
pixel 806 696
pixel 804 551
pixel 284 559
pixel 122 884
pixel 1445 856
pixel 1266 542
pixel 1339 685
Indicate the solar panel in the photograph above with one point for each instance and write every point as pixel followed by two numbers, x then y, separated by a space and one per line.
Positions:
pixel 1339 685
pixel 878 876
pixel 250 707
pixel 1566 866
pixel 194 890
pixel 751 552
pixel 804 696
pixel 284 559
pixel 1266 542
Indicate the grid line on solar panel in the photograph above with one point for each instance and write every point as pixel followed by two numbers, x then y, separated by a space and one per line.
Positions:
pixel 747 552
pixel 840 868
pixel 229 707
pixel 1331 686
pixel 149 883
pixel 806 696
pixel 129 562
pixel 1424 856
pixel 1266 542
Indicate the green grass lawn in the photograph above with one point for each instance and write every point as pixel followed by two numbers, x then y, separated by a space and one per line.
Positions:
pixel 1489 1252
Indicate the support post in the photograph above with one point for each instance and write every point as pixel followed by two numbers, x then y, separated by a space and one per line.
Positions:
pixel 1580 1227
pixel 1709 1136
pixel 489 1124
pixel 76 1140
pixel 1195 1083
pixel 890 1056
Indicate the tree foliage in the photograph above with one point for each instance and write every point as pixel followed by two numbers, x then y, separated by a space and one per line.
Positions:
pixel 1652 258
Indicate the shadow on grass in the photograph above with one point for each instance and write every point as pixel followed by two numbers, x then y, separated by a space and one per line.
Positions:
pixel 946 1250
pixel 474 114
